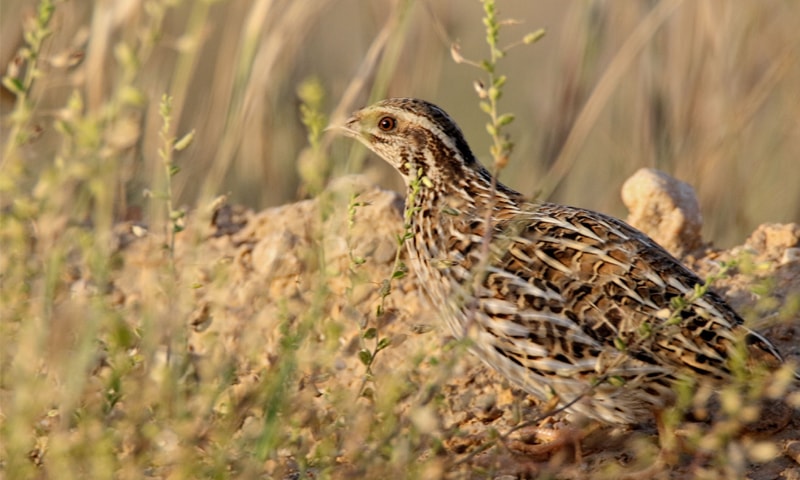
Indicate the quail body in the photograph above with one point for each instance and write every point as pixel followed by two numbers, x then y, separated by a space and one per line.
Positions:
pixel 565 302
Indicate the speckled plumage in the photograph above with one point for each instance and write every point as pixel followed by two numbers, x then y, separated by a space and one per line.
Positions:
pixel 564 302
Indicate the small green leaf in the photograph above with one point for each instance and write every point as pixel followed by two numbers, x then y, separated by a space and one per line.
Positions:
pixel 616 381
pixel 126 55
pixel 620 344
pixel 386 288
pixel 165 107
pixel 365 356
pixel 14 85
pixel 184 141
pixel 130 95
pixel 505 119
pixel 371 332
pixel 700 289
pixel 533 36
pixel 450 211
pixel 677 303
pixel 383 343
pixel 645 329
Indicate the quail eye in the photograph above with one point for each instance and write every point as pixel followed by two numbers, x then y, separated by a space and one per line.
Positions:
pixel 387 124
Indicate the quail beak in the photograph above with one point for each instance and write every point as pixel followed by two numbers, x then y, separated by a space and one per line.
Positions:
pixel 350 128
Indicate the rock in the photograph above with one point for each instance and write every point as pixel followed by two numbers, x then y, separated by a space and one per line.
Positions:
pixel 775 241
pixel 664 208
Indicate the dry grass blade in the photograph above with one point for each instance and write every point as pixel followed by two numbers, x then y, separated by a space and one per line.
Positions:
pixel 602 92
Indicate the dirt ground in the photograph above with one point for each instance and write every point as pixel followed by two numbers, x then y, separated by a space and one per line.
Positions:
pixel 274 270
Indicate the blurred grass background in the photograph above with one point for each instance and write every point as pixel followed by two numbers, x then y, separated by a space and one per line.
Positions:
pixel 706 91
